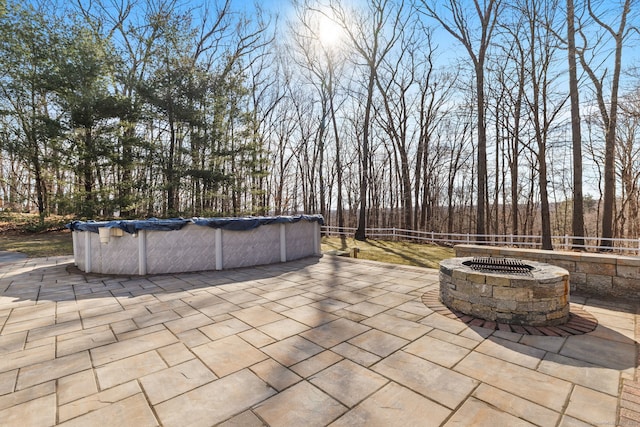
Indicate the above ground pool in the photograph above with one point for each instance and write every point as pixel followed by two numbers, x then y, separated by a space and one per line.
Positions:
pixel 157 246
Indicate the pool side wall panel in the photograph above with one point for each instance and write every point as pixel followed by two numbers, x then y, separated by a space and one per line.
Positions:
pixel 79 250
pixel 194 248
pixel 191 249
pixel 119 256
pixel 300 242
pixel 251 247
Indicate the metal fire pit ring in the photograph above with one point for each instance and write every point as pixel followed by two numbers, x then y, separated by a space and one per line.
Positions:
pixel 499 265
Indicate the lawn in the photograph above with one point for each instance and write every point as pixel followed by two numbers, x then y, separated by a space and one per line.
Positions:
pixel 24 233
pixel 34 245
pixel 394 252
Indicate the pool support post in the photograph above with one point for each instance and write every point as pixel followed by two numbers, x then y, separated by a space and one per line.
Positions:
pixel 316 239
pixel 218 248
pixel 87 253
pixel 142 252
pixel 283 243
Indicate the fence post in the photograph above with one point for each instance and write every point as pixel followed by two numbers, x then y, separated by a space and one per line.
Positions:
pixel 432 239
pixel 511 239
pixel 566 242
pixel 468 240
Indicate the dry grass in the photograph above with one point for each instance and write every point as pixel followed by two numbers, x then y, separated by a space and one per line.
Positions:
pixel 34 245
pixel 395 252
pixel 24 233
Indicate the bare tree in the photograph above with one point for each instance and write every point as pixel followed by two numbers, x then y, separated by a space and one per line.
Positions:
pixel 436 90
pixel 395 82
pixel 628 166
pixel 608 114
pixel 511 80
pixel 322 62
pixel 372 33
pixel 458 22
pixel 577 222
pixel 543 108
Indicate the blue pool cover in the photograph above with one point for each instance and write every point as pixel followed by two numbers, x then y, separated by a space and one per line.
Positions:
pixel 239 224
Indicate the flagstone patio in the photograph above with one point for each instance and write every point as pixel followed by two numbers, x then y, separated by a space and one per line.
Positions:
pixel 329 341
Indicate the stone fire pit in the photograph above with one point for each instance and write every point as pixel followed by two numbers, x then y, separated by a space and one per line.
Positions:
pixel 536 295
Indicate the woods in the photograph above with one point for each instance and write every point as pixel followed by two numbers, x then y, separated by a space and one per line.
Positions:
pixel 485 117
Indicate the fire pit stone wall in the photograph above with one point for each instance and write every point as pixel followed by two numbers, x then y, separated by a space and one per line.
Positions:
pixel 539 298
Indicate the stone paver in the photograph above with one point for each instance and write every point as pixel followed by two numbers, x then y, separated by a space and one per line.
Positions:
pixel 300 405
pixel 367 308
pixel 378 342
pixel 281 329
pixel 540 388
pixel 592 406
pixel 606 380
pixel 394 405
pixel 245 419
pixel 327 341
pixel 333 333
pixel 131 347
pixel 309 315
pixel 509 351
pixel 316 363
pixel 37 412
pixel 356 354
pixel 475 413
pixel 276 375
pixel 168 383
pixel 257 316
pixel 175 354
pixel 228 355
pixel 442 385
pixel 437 351
pixel 256 338
pixel 516 406
pixel 76 386
pixel 52 369
pixel 84 340
pixel 224 329
pixel 26 357
pixel 216 401
pixel 8 381
pixel 133 411
pixel 348 382
pixel 124 370
pixel 97 401
pixel 397 326
pixel 292 350
pixel 11 343
pixel 604 352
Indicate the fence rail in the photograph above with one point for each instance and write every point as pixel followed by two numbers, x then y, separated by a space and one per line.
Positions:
pixel 628 246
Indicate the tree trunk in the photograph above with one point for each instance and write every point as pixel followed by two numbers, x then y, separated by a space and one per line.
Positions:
pixel 482 155
pixel 336 135
pixel 577 221
pixel 360 233
pixel 544 198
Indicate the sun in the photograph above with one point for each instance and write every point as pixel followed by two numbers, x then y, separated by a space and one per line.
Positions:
pixel 330 33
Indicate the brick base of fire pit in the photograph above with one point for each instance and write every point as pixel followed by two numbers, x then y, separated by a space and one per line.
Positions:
pixel 537 297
